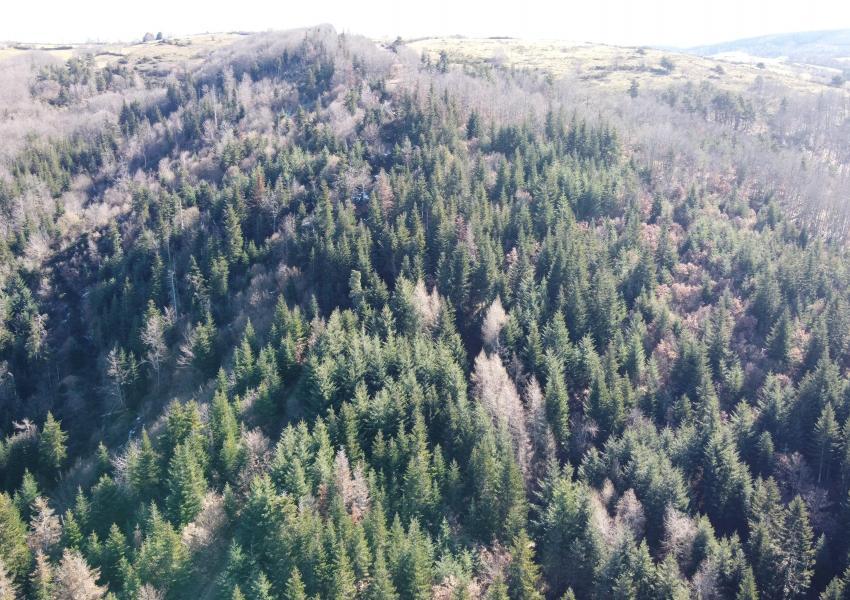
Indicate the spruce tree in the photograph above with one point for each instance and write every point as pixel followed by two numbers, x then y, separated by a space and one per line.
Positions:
pixel 295 587
pixel 13 539
pixel 747 588
pixel 41 579
pixel 186 485
pixel 143 469
pixel 52 449
pixel 381 586
pixel 798 550
pixel 523 573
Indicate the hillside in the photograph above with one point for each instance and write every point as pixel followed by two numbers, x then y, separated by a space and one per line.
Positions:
pixel 827 48
pixel 304 315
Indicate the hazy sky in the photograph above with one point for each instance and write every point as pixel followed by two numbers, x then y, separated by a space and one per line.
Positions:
pixel 636 22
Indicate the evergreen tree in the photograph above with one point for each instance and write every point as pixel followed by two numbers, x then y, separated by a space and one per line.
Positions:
pixel 381 586
pixel 523 574
pixel 41 580
pixel 52 449
pixel 779 340
pixel 497 590
pixel 826 441
pixel 747 588
pixel 143 469
pixel 8 589
pixel 14 552
pixel 163 558
pixel 341 580
pixel 295 587
pixel 798 550
pixel 186 485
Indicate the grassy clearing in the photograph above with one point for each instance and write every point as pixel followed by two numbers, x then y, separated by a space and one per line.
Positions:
pixel 614 67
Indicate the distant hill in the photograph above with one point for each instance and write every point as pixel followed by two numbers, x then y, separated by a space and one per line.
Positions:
pixel 827 48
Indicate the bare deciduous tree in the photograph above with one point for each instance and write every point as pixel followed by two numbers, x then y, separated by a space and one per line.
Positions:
pixel 497 393
pixel 45 528
pixel 148 592
pixel 153 337
pixel 352 488
pixel 75 580
pixel 427 305
pixel 679 533
pixel 117 374
pixel 630 515
pixel 494 320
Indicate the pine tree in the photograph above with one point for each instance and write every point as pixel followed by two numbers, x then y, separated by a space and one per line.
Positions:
pixel 341 584
pixel 52 449
pixel 779 340
pixel 798 550
pixel 8 589
pixel 72 535
pixel 233 240
pixel 14 552
pixel 497 590
pixel 224 430
pixel 143 470
pixel 114 550
pixel 571 549
pixel 295 587
pixel 202 352
pixel 381 586
pixel 163 557
pixel 186 484
pixel 41 580
pixel 523 573
pixel 747 588
pixel 826 441
pixel 412 572
pixel 261 588
pixel 26 495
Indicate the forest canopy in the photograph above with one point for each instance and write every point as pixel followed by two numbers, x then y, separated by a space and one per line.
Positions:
pixel 323 318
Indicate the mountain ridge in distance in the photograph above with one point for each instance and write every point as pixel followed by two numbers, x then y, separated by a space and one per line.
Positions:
pixel 827 47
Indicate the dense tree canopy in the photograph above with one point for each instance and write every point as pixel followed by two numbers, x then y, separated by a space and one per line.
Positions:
pixel 349 331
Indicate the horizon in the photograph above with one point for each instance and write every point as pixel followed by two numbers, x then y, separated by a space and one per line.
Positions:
pixel 657 23
pixel 188 34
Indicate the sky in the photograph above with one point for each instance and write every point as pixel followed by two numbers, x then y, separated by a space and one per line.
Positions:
pixel 679 23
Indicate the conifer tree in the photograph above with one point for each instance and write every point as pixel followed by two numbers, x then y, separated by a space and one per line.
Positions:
pixel 747 588
pixel 295 587
pixel 14 552
pixel 341 583
pixel 779 340
pixel 799 554
pixel 8 589
pixel 163 557
pixel 41 580
pixel 52 449
pixel 523 573
pixel 143 468
pixel 186 485
pixel 826 441
pixel 261 588
pixel 26 495
pixel 498 590
pixel 381 586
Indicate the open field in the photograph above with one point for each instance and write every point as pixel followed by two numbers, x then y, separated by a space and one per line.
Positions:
pixel 599 65
pixel 159 55
pixel 615 67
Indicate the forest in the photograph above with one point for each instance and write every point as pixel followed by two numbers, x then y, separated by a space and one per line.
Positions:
pixel 318 317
